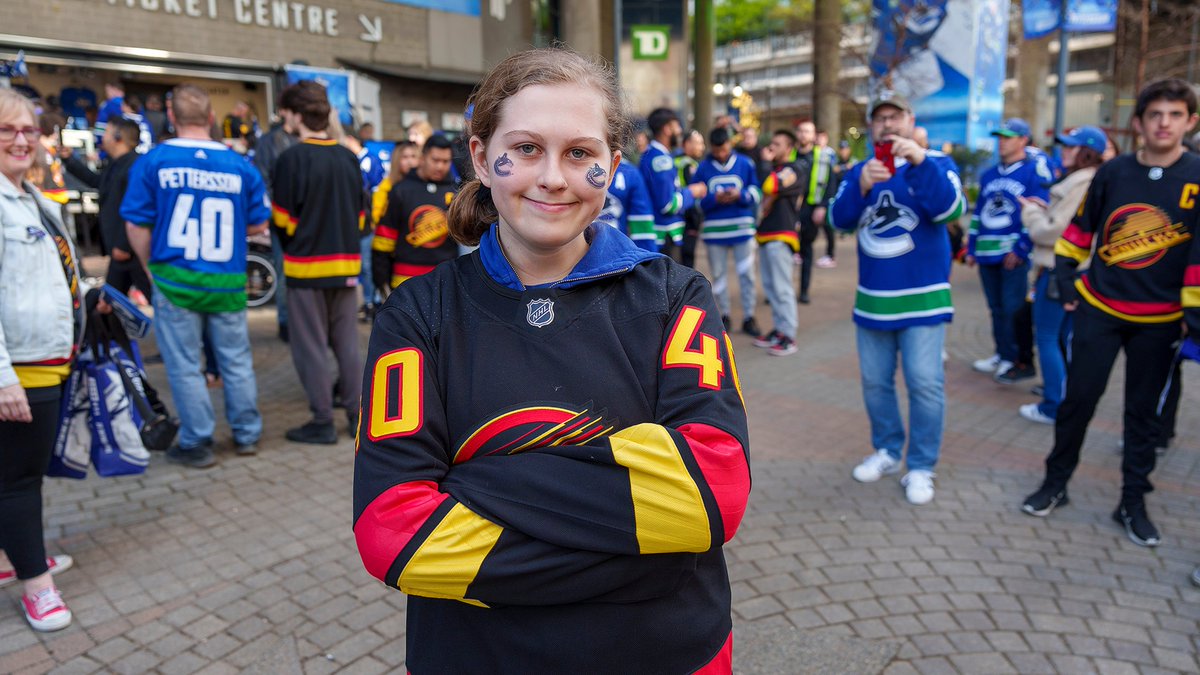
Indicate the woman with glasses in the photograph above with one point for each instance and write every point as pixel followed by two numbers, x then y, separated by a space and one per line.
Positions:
pixel 40 321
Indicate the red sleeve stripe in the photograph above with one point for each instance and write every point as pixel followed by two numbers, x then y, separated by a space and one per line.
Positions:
pixel 1191 275
pixel 391 521
pixel 1077 236
pixel 386 232
pixel 726 471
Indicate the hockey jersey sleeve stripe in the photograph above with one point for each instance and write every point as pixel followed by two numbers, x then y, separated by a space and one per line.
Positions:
pixel 1191 275
pixel 1066 249
pixel 789 238
pixel 722 460
pixel 668 508
pixel 1190 297
pixel 674 205
pixel 320 266
pixel 1077 237
pixel 388 524
pixel 283 220
pixel 450 557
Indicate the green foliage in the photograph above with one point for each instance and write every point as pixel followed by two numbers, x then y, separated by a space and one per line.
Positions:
pixel 740 20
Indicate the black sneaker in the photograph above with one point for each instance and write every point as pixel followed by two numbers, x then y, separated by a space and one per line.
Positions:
pixel 1137 525
pixel 804 299
pixel 769 340
pixel 313 432
pixel 199 457
pixel 750 327
pixel 1042 502
pixel 727 322
pixel 1018 372
pixel 246 449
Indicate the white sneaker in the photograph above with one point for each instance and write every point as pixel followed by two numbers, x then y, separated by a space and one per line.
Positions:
pixel 1033 413
pixel 875 467
pixel 1003 367
pixel 987 365
pixel 918 486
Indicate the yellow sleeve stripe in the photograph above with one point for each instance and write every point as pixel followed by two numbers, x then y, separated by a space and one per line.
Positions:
pixel 1068 250
pixel 449 559
pixel 383 244
pixel 668 510
pixel 1190 296
pixel 283 220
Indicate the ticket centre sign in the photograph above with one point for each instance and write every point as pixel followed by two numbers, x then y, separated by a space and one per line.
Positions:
pixel 285 15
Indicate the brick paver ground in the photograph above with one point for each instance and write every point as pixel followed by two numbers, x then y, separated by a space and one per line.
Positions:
pixel 251 566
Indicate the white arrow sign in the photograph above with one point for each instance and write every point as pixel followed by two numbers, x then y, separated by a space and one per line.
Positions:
pixel 373 27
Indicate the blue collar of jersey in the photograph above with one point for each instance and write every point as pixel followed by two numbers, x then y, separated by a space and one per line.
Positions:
pixel 609 253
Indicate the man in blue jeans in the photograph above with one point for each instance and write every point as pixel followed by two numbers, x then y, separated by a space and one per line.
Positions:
pixel 903 301
pixel 190 204
pixel 1000 243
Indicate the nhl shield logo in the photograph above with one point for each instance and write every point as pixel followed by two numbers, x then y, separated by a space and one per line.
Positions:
pixel 540 312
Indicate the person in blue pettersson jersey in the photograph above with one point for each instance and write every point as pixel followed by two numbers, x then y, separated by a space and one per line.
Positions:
pixel 999 241
pixel 903 302
pixel 190 204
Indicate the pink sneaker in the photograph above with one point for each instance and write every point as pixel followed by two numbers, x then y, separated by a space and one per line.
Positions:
pixel 56 563
pixel 46 611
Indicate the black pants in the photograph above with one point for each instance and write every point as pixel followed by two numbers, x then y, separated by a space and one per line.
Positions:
pixel 830 239
pixel 693 220
pixel 808 236
pixel 1148 355
pixel 1023 330
pixel 126 274
pixel 24 455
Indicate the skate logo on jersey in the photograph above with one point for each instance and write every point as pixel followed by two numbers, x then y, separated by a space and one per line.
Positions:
pixel 1138 235
pixel 536 424
pixel 540 312
pixel 884 229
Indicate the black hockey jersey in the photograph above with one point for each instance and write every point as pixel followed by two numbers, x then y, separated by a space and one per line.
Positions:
pixel 550 473
pixel 1142 222
pixel 413 235
pixel 318 207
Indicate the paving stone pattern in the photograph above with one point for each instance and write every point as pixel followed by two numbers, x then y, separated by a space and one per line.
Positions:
pixel 251 566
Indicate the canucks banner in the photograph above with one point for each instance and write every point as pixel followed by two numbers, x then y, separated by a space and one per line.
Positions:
pixel 1042 17
pixel 948 58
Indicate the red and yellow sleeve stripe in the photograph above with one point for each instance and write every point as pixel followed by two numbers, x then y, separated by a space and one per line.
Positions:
pixel 379 200
pixel 1074 244
pixel 384 240
pixel 444 547
pixel 283 219
pixel 770 186
pixel 788 237
pixel 1190 296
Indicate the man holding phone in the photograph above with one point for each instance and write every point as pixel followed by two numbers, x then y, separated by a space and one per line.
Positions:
pixel 903 303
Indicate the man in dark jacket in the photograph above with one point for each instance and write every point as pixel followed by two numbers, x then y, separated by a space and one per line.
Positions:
pixel 121 137
pixel 283 135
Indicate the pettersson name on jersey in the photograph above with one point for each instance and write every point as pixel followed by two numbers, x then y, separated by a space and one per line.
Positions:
pixel 180 177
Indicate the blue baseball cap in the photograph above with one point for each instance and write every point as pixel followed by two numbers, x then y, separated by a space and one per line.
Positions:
pixel 1012 127
pixel 1084 137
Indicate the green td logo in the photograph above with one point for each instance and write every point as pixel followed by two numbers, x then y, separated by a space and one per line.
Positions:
pixel 650 42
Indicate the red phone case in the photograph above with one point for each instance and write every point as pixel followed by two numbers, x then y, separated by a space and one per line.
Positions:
pixel 883 153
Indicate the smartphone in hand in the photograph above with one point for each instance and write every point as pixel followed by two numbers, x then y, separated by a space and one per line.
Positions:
pixel 883 153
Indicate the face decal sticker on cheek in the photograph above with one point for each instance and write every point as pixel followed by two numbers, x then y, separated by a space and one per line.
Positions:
pixel 503 165
pixel 595 177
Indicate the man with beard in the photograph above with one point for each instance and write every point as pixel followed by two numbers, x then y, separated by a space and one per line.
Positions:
pixel 414 236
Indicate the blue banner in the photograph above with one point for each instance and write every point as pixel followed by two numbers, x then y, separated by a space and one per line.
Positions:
pixel 468 7
pixel 1091 16
pixel 337 87
pixel 1041 17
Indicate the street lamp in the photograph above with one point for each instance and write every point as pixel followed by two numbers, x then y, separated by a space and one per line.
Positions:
pixel 718 88
pixel 737 90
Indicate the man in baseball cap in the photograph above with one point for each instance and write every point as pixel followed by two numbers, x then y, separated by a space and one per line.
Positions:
pixel 1084 137
pixel 1013 127
pixel 888 97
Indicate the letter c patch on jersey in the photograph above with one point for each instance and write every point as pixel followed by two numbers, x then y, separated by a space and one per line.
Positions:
pixel 1187 200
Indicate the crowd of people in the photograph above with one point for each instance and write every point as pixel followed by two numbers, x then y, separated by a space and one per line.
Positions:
pixel 482 443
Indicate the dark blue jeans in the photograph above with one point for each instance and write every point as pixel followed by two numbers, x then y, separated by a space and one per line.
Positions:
pixel 1050 327
pixel 1005 291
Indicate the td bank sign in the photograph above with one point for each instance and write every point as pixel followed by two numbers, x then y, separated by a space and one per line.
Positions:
pixel 650 42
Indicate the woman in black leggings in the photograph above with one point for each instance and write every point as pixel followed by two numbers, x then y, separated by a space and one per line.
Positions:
pixel 39 327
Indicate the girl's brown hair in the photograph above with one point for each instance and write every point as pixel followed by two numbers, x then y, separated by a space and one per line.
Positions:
pixel 472 212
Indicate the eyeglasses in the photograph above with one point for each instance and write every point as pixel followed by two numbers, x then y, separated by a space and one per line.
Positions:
pixel 10 133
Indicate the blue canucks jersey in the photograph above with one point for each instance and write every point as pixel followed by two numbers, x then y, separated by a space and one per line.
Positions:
pixel 730 223
pixel 996 227
pixel 667 197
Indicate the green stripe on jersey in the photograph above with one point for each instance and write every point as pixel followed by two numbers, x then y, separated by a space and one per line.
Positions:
pixel 209 292
pixel 898 304
pixel 994 244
